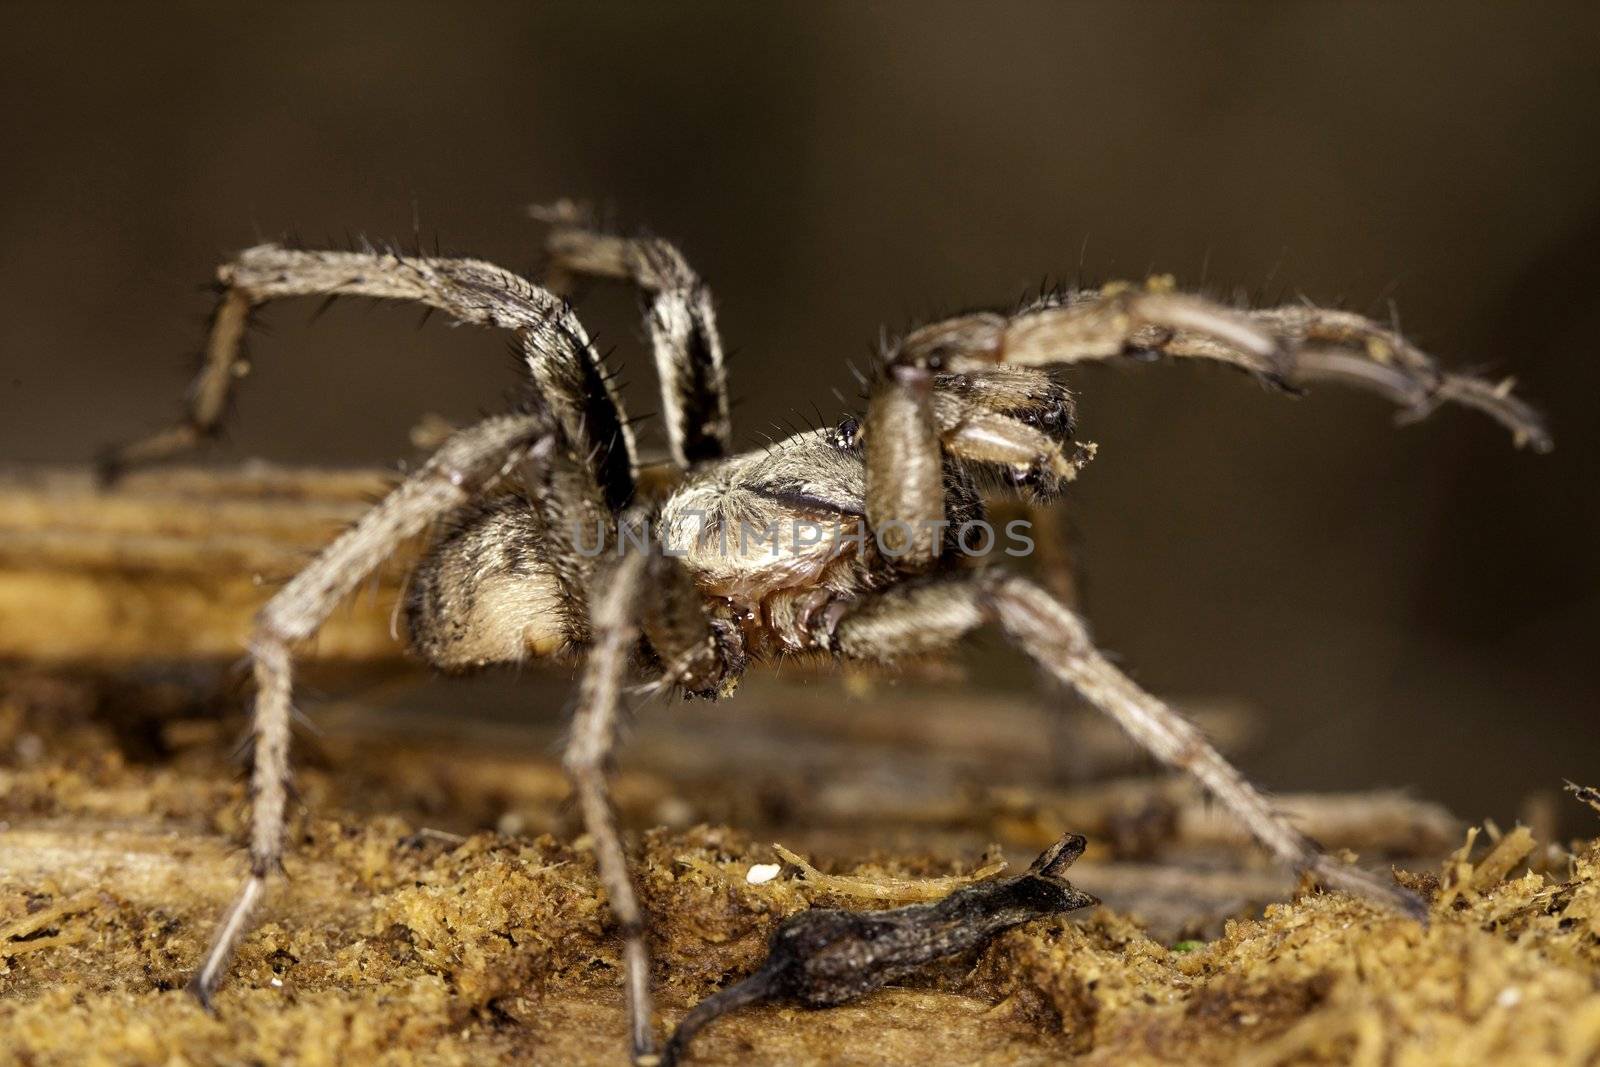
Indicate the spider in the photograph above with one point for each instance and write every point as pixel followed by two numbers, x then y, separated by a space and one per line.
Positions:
pixel 956 407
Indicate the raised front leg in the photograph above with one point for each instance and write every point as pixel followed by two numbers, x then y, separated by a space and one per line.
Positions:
pixel 971 389
pixel 1287 347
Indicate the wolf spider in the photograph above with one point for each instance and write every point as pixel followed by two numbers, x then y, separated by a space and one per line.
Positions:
pixel 509 578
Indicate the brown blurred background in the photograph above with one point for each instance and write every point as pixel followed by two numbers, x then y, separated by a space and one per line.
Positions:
pixel 1412 606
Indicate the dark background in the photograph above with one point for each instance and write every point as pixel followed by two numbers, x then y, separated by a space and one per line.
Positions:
pixel 1411 606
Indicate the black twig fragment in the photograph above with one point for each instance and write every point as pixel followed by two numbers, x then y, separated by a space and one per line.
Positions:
pixel 825 957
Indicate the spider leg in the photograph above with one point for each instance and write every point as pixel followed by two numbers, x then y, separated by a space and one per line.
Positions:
pixel 464 464
pixel 934 614
pixel 613 614
pixel 644 592
pixel 695 654
pixel 1328 345
pixel 975 388
pixel 561 360
pixel 680 317
pixel 1314 344
pixel 905 469
pixel 1094 326
pixel 972 387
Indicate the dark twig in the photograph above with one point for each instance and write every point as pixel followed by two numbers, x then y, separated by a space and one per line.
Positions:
pixel 825 957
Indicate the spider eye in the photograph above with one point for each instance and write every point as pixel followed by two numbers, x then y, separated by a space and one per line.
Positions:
pixel 844 435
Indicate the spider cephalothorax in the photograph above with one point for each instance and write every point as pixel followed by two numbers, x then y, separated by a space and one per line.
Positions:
pixel 849 541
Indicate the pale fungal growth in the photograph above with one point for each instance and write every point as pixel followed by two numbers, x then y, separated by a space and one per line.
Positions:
pixel 524 508
pixel 762 873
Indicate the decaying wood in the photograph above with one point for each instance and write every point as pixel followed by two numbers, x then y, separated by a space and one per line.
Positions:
pixel 172 564
pixel 789 768
pixel 393 944
pixel 428 917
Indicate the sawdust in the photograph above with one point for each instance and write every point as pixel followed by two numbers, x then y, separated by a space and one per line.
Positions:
pixel 393 943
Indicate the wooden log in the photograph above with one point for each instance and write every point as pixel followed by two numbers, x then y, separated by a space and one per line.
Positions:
pixel 172 564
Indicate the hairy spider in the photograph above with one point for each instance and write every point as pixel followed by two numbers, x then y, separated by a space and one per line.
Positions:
pixel 515 575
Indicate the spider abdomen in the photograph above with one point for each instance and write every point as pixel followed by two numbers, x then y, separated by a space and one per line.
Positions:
pixel 486 593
